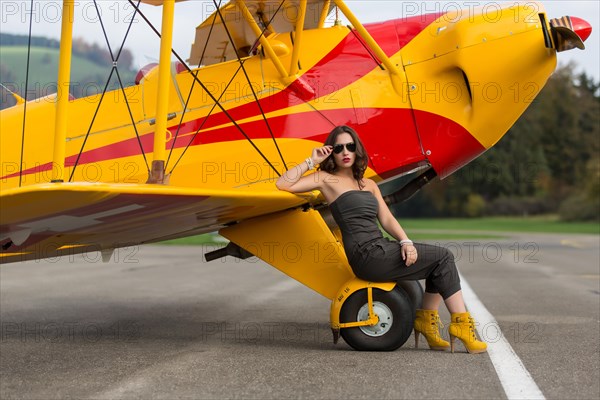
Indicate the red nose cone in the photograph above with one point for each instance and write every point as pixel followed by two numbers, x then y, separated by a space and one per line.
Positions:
pixel 581 27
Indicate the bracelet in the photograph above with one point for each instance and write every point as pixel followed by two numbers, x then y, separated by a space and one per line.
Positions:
pixel 310 163
pixel 406 241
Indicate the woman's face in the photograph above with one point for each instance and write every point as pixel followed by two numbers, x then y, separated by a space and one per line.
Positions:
pixel 345 158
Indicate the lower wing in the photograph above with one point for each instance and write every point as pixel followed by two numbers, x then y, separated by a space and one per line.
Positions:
pixel 51 220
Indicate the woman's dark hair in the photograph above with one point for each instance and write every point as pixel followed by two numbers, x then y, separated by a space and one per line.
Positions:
pixel 362 159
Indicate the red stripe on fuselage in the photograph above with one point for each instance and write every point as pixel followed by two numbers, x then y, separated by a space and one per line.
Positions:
pixel 348 62
pixel 344 64
pixel 389 137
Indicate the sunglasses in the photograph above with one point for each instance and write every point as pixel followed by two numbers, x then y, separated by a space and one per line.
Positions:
pixel 338 148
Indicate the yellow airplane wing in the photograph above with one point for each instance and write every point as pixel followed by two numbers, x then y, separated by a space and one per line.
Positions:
pixel 81 217
pixel 274 15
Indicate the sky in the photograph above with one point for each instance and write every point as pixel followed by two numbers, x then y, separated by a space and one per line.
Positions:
pixel 116 14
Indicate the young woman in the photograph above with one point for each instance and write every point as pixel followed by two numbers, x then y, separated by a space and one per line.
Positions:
pixel 356 204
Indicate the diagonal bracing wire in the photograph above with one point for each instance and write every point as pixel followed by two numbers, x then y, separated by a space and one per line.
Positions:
pixel 204 121
pixel 113 70
pixel 212 97
pixel 248 78
pixel 25 104
pixel 241 65
pixel 190 96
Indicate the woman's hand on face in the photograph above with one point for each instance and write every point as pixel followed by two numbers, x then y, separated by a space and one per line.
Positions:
pixel 319 154
pixel 409 254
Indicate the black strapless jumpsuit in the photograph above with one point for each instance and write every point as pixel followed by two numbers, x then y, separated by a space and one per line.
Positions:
pixel 378 259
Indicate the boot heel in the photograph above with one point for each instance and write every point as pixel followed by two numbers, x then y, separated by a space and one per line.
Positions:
pixel 462 328
pixel 416 339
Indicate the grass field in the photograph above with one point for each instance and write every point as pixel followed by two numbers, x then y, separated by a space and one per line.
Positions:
pixel 456 229
pixel 548 224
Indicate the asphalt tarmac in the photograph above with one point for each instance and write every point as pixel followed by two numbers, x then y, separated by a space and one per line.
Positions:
pixel 158 322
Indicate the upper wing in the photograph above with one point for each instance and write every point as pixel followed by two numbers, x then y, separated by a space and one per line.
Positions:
pixel 277 17
pixel 54 219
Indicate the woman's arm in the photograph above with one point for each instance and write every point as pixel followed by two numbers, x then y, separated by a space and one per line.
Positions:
pixel 294 181
pixel 391 225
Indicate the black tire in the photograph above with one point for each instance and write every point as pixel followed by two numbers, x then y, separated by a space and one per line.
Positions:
pixel 395 335
pixel 414 290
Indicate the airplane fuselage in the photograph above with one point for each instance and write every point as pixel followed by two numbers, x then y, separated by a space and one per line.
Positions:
pixel 467 80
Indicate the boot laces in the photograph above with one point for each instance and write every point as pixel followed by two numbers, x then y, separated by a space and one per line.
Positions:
pixel 471 323
pixel 472 328
pixel 435 320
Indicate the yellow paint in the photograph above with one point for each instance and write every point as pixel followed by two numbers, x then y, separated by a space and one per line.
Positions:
pixel 469 43
pixel 572 243
pixel 308 252
pixel 263 41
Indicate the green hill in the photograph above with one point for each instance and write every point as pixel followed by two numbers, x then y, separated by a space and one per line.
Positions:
pixel 86 75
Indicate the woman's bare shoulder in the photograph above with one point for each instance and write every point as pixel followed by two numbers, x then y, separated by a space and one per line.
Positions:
pixel 370 184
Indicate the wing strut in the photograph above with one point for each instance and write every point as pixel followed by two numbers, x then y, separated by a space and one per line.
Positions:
pixel 298 38
pixel 25 100
pixel 62 85
pixel 157 173
pixel 265 43
pixel 396 75
pixel 324 13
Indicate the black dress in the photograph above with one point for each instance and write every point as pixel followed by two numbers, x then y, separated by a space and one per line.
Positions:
pixel 378 259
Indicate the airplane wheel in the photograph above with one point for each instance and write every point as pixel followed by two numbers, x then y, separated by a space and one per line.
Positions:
pixel 396 317
pixel 414 290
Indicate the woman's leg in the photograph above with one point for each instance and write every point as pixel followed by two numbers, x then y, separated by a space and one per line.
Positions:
pixel 454 303
pixel 431 301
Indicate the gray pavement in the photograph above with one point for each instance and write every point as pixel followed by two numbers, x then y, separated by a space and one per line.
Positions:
pixel 158 322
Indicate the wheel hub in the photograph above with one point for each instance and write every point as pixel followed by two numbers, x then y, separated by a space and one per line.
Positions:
pixel 384 324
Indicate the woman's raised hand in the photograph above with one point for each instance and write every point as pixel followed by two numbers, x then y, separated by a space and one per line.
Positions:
pixel 409 254
pixel 319 154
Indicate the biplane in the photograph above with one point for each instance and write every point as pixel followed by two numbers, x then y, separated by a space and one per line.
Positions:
pixel 196 145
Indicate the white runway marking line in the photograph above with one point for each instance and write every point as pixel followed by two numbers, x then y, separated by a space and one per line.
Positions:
pixel 514 377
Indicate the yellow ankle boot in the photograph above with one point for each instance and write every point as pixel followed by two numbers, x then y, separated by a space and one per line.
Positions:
pixel 426 323
pixel 462 326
